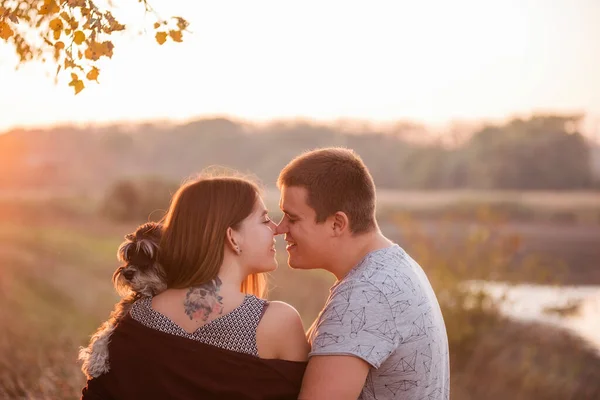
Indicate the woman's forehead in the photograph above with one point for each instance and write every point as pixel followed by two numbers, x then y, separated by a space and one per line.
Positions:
pixel 259 206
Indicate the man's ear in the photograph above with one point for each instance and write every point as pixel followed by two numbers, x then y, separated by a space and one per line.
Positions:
pixel 339 223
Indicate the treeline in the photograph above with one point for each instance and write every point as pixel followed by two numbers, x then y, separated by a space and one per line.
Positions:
pixel 542 152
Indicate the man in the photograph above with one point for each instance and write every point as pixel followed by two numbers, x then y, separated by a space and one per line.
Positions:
pixel 381 334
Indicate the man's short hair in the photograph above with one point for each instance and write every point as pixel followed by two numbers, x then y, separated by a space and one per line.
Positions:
pixel 336 179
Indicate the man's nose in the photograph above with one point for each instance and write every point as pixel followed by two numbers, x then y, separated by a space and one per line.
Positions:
pixel 281 228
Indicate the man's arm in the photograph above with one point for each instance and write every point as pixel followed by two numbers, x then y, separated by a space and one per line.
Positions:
pixel 346 344
pixel 334 377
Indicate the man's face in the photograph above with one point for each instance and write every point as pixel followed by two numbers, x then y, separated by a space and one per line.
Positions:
pixel 308 243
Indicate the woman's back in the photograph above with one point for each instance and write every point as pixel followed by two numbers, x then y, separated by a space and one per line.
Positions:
pixel 217 314
pixel 151 356
pixel 149 363
pixel 235 330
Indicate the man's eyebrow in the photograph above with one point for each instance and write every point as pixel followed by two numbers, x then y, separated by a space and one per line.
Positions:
pixel 289 214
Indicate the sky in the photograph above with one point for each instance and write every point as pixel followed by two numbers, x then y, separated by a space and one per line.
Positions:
pixel 427 61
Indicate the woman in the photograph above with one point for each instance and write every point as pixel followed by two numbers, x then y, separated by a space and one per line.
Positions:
pixel 209 334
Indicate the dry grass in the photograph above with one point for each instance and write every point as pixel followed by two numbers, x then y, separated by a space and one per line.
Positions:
pixel 527 361
pixel 55 288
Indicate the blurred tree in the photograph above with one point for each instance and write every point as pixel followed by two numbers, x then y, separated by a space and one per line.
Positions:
pixel 536 154
pixel 73 34
pixel 122 201
pixel 544 152
pixel 427 167
pixel 138 200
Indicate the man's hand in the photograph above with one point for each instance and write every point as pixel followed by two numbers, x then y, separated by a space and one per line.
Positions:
pixel 334 378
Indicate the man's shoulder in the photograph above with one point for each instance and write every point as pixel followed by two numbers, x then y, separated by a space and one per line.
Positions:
pixel 386 274
pixel 380 265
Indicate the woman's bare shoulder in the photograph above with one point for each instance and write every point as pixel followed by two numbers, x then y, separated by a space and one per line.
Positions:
pixel 280 333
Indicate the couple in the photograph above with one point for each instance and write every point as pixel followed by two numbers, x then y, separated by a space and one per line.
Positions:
pixel 210 335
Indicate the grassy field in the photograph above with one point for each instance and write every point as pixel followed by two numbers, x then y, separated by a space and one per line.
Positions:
pixel 55 289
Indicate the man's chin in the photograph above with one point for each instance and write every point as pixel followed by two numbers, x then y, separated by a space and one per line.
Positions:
pixel 297 265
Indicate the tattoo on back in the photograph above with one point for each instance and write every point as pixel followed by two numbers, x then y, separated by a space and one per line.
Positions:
pixel 204 300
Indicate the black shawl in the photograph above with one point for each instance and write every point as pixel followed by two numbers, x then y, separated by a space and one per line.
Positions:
pixel 149 364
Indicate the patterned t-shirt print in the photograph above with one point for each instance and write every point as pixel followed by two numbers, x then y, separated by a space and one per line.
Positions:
pixel 386 313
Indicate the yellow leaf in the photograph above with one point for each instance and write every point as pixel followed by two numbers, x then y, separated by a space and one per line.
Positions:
pixel 56 34
pixel 70 64
pixel 56 24
pixel 49 7
pixel 5 30
pixel 59 45
pixel 94 51
pixel 67 31
pixel 78 37
pixel 161 37
pixel 107 48
pixel 176 36
pixel 93 74
pixel 156 25
pixel 90 54
pixel 76 83
pixel 182 24
pixel 117 27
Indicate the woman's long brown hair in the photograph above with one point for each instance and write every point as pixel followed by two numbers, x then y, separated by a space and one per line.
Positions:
pixel 195 230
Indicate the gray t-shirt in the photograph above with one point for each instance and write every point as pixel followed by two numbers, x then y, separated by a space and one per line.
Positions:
pixel 386 313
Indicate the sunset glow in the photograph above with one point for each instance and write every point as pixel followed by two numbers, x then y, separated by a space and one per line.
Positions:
pixel 430 61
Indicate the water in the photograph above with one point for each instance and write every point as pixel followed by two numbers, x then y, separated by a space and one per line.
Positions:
pixel 531 302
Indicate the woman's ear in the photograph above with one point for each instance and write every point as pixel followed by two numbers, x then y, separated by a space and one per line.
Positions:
pixel 339 223
pixel 232 241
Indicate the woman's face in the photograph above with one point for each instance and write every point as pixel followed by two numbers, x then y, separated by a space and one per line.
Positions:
pixel 257 241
